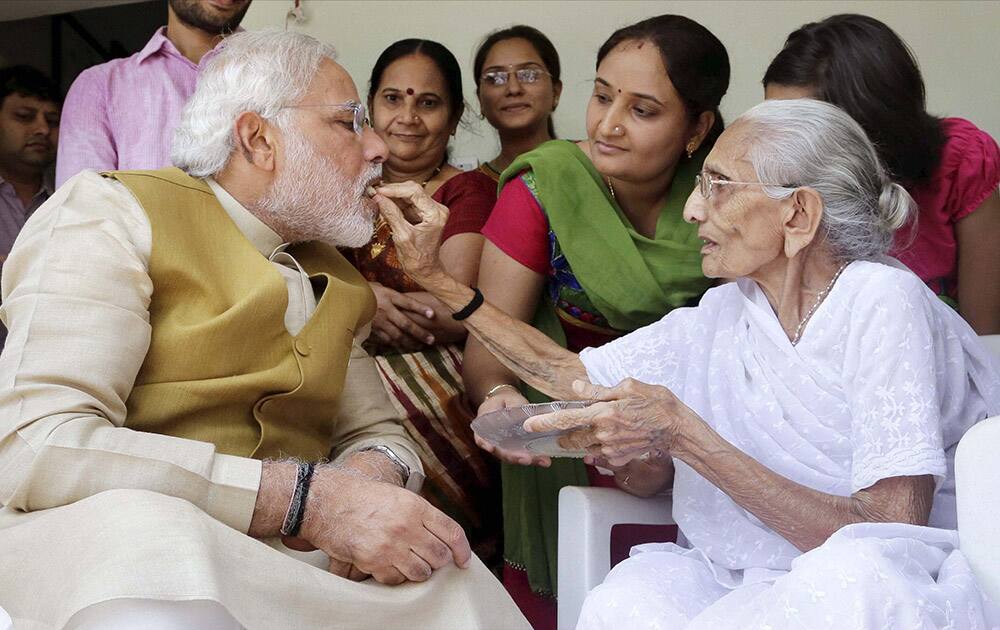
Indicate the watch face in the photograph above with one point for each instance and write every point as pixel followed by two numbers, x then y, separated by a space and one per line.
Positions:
pixel 505 428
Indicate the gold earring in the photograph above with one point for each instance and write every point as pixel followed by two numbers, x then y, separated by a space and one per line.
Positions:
pixel 690 150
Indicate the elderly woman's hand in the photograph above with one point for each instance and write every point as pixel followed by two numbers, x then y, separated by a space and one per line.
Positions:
pixel 628 421
pixel 416 221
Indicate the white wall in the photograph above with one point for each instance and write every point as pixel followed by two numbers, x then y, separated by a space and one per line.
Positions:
pixel 956 43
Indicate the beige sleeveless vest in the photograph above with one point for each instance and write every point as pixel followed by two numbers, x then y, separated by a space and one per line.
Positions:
pixel 221 367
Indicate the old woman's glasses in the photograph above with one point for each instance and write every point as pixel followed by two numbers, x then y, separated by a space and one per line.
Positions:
pixel 524 75
pixel 706 181
pixel 358 114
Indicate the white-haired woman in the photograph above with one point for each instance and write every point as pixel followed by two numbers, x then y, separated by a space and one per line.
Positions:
pixel 805 415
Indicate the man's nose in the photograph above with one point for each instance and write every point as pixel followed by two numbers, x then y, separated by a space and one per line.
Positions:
pixel 375 149
pixel 41 126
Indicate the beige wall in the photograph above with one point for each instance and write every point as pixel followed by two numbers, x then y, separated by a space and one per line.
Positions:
pixel 955 42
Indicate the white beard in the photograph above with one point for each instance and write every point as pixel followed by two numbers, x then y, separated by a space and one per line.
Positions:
pixel 312 201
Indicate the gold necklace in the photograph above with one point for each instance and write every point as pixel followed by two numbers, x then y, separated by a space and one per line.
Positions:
pixel 819 298
pixel 611 188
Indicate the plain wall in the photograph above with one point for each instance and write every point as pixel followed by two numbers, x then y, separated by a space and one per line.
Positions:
pixel 956 44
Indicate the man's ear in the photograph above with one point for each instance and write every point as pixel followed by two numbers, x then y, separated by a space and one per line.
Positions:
pixel 802 219
pixel 256 140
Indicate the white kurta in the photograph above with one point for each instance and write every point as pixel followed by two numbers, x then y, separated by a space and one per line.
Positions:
pixel 92 511
pixel 883 383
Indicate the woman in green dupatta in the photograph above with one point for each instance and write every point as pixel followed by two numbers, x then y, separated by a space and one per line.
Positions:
pixel 587 242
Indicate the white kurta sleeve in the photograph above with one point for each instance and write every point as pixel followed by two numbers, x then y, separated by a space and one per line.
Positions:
pixel 76 293
pixel 891 383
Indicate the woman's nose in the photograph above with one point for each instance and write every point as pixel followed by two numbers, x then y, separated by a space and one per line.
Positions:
pixel 695 207
pixel 513 85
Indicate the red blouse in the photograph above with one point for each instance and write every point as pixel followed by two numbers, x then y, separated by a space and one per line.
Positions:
pixel 968 172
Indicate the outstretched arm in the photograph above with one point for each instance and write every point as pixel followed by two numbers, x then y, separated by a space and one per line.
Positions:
pixel 536 359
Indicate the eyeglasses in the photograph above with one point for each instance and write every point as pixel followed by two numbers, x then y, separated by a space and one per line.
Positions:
pixel 705 183
pixel 360 117
pixel 524 75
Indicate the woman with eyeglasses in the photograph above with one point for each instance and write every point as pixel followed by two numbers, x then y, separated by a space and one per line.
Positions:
pixel 586 242
pixel 518 89
pixel 415 101
pixel 949 166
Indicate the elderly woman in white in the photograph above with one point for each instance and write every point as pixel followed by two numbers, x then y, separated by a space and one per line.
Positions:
pixel 805 415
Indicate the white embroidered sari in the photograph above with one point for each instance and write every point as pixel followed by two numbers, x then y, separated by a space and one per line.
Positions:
pixel 883 383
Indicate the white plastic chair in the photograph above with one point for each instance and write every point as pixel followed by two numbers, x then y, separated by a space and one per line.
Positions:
pixel 586 516
pixel 5 621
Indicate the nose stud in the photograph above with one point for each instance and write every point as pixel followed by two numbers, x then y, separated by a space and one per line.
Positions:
pixel 617 129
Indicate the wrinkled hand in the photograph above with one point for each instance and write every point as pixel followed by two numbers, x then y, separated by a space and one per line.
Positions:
pixel 629 420
pixel 504 398
pixel 417 244
pixel 394 324
pixel 379 529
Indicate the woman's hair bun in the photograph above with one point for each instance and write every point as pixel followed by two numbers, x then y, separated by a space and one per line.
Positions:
pixel 895 206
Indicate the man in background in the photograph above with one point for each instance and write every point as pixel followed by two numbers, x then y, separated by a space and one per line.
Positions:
pixel 29 133
pixel 121 115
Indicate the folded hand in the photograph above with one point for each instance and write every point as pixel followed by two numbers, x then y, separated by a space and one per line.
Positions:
pixel 379 529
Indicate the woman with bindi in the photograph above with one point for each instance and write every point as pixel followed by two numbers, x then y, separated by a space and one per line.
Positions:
pixel 416 103
pixel 587 242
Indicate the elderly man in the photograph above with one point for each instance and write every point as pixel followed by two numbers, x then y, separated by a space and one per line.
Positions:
pixel 805 415
pixel 122 114
pixel 170 330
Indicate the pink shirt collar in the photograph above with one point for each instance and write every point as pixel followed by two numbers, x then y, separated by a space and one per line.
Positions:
pixel 159 42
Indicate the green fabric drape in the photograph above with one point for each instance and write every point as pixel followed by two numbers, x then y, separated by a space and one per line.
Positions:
pixel 631 279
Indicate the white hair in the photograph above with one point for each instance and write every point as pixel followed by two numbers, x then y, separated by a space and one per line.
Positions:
pixel 805 142
pixel 255 71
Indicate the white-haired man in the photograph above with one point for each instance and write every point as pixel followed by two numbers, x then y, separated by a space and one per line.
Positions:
pixel 171 329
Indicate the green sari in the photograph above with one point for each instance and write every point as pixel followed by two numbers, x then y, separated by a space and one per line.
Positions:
pixel 602 264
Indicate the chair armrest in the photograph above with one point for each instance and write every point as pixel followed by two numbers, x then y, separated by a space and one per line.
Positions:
pixel 586 516
pixel 977 481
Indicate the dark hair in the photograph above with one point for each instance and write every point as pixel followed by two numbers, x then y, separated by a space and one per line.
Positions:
pixel 542 45
pixel 862 66
pixel 28 81
pixel 442 58
pixel 696 62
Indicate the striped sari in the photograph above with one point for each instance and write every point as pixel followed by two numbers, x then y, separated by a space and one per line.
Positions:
pixel 426 387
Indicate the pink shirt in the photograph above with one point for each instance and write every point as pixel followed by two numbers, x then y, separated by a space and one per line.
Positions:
pixel 121 115
pixel 969 171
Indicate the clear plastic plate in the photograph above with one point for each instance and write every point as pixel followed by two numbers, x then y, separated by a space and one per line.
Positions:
pixel 505 428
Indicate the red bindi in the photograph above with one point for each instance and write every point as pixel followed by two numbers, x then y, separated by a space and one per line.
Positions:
pixel 409 91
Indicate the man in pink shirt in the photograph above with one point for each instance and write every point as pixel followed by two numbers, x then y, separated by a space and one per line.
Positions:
pixel 121 115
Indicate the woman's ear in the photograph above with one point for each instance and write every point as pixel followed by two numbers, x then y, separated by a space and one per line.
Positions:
pixel 457 118
pixel 256 140
pixel 556 93
pixel 701 128
pixel 802 219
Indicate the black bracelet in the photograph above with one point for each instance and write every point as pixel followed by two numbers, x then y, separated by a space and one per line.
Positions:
pixel 470 308
pixel 297 504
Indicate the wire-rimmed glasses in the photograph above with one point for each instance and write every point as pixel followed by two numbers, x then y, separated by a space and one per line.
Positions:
pixel 358 112
pixel 705 182
pixel 498 78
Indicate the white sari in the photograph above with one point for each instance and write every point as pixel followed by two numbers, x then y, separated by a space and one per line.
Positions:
pixel 883 383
